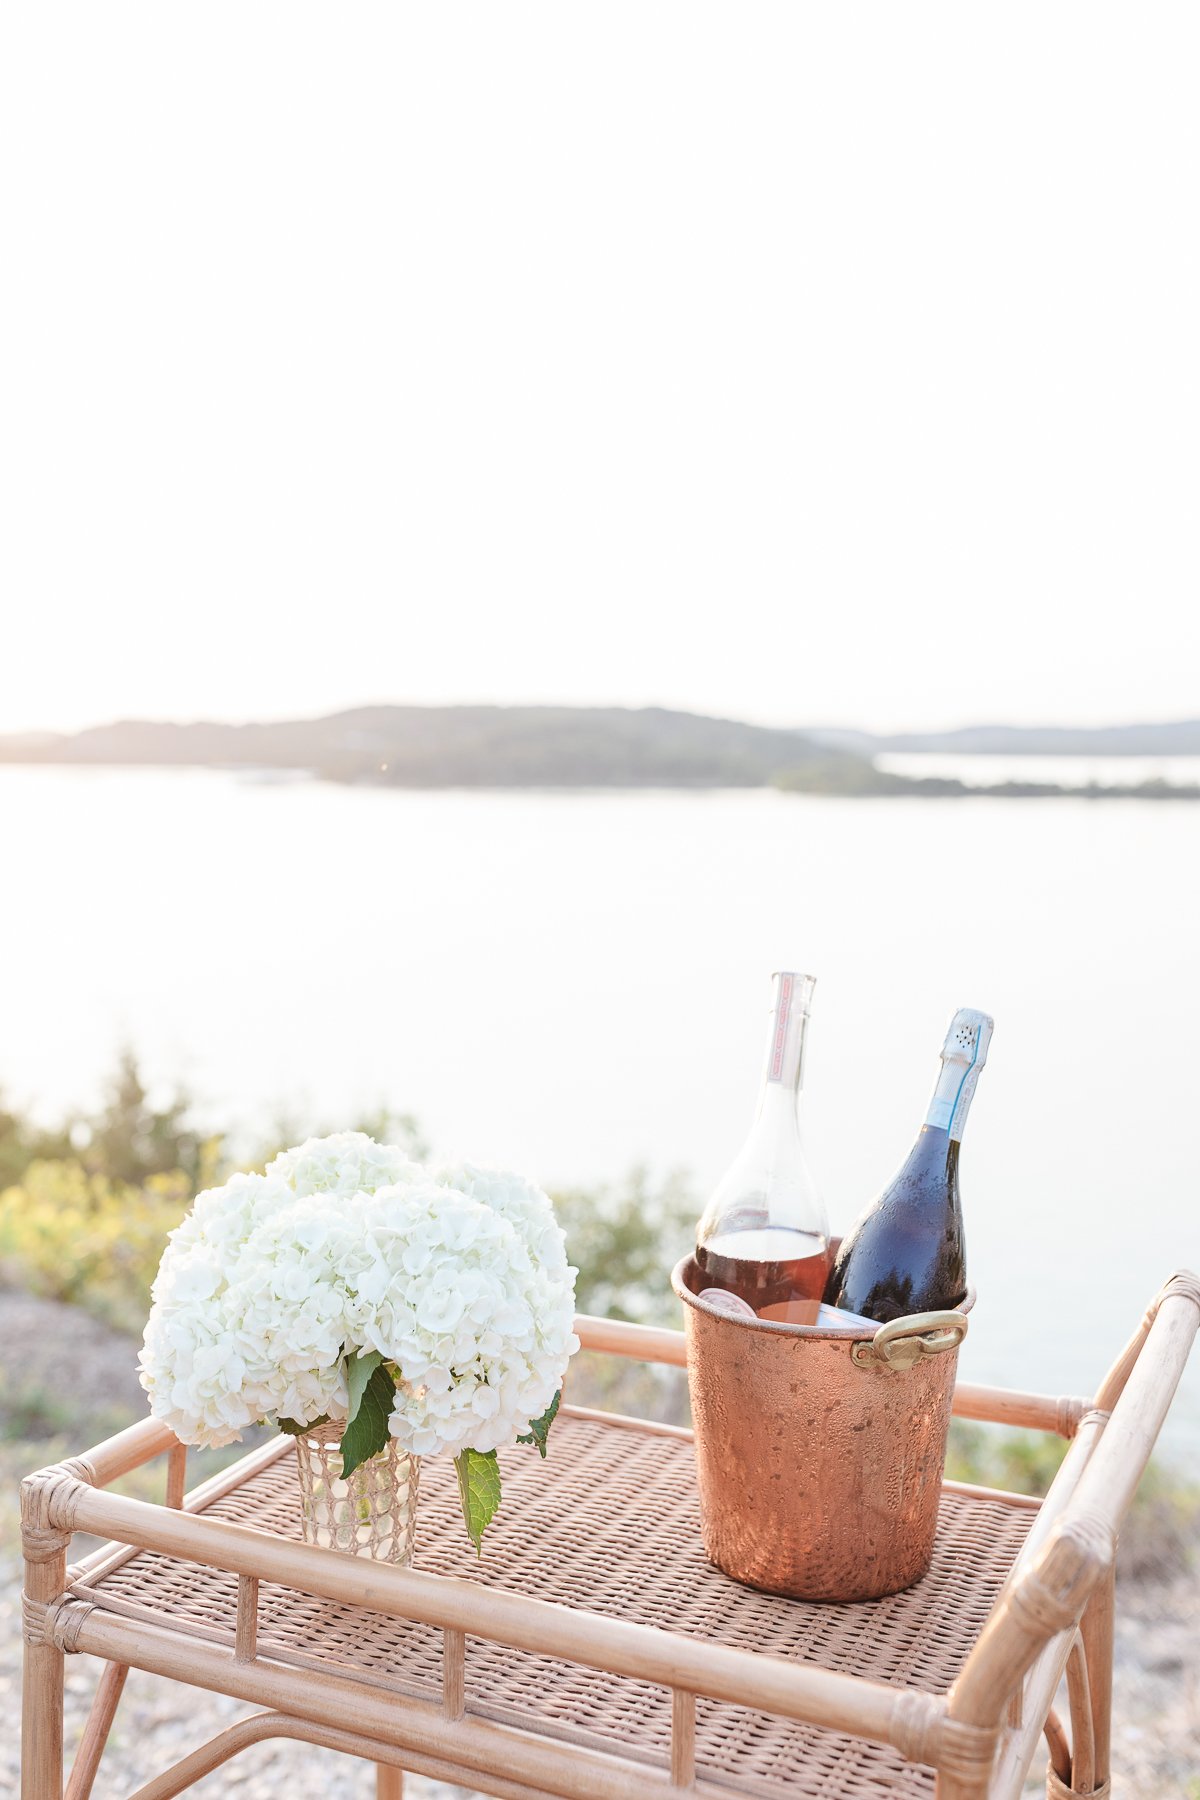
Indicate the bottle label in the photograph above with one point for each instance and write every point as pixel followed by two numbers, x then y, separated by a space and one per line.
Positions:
pixel 779 1034
pixel 963 1055
pixel 785 1054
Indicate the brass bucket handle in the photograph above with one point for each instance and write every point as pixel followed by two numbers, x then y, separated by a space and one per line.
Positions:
pixel 902 1342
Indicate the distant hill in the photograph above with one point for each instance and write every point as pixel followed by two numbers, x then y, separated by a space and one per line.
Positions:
pixel 579 747
pixel 1180 738
pixel 466 746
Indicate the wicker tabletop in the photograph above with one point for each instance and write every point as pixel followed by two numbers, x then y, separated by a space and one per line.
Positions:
pixel 609 1523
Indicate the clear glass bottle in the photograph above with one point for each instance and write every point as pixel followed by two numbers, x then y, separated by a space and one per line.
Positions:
pixel 906 1253
pixel 764 1235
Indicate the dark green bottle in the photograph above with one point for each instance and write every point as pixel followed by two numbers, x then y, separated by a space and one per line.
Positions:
pixel 906 1253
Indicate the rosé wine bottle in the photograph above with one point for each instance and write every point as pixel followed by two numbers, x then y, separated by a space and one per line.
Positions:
pixel 764 1235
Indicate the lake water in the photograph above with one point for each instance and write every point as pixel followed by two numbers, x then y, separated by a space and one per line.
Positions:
pixel 577 982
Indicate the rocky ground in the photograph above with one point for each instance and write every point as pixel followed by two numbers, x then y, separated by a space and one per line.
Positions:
pixel 1156 1753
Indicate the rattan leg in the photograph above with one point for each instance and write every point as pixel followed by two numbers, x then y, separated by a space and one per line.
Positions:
pixel 42 1723
pixel 389 1783
pixel 1059 1748
pixel 95 1734
pixel 1083 1747
pixel 1096 1628
pixel 42 1686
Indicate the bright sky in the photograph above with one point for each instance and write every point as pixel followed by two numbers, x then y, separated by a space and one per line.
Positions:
pixel 800 363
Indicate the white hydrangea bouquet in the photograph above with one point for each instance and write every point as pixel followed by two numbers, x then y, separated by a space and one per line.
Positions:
pixel 350 1284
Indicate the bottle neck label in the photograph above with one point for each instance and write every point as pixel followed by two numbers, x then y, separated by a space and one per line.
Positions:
pixel 785 1048
pixel 947 1108
pixel 963 1056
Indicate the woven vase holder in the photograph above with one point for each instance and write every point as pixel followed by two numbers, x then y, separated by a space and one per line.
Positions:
pixel 373 1513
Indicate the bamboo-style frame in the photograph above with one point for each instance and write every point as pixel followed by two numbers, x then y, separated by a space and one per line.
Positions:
pixel 1055 1615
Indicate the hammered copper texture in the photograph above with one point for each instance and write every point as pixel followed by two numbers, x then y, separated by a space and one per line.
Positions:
pixel 818 1478
pixel 610 1523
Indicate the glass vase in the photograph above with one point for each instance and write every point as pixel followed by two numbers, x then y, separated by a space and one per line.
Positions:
pixel 373 1513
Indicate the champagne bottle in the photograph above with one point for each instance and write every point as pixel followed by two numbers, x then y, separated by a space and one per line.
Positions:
pixel 905 1253
pixel 764 1234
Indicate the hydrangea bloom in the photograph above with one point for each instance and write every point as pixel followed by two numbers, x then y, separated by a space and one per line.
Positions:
pixel 479 1328
pixel 347 1163
pixel 457 1276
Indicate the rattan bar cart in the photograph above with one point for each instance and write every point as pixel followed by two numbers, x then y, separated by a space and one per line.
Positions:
pixel 593 1654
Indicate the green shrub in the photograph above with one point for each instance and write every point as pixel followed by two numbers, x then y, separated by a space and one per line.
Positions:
pixel 1021 1462
pixel 84 1238
pixel 85 1207
pixel 624 1241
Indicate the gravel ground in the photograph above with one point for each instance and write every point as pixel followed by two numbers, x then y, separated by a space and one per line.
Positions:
pixel 1157 1740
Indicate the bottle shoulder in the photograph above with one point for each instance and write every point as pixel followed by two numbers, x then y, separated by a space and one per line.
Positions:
pixel 769 1181
pixel 930 1168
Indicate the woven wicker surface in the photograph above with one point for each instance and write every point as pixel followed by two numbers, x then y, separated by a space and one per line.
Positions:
pixel 610 1523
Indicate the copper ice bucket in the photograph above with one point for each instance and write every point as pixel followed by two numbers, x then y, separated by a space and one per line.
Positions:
pixel 819 1451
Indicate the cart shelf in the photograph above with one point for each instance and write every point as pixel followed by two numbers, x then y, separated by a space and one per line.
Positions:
pixel 592 1653
pixel 608 1525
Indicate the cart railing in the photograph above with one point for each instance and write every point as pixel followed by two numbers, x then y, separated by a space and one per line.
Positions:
pixel 1056 1612
pixel 998 1406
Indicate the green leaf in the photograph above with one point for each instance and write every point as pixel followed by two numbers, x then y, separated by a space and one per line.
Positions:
pixel 539 1429
pixel 359 1369
pixel 479 1490
pixel 294 1428
pixel 366 1434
